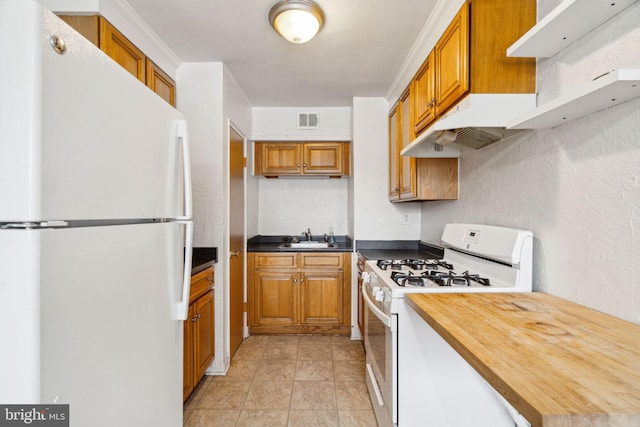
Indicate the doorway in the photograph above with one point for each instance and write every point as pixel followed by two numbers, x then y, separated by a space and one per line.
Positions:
pixel 237 166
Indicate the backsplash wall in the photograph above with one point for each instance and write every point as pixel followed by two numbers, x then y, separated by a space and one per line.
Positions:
pixel 576 186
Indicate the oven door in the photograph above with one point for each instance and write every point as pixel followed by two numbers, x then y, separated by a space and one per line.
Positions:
pixel 380 340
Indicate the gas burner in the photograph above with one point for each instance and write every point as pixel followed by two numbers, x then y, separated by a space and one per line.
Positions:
pixel 452 279
pixel 389 264
pixel 408 278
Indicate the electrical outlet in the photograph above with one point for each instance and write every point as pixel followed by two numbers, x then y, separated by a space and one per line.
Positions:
pixel 405 219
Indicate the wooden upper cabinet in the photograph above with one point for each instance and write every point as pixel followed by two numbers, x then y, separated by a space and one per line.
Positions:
pixel 394 153
pixel 121 50
pixel 451 56
pixel 470 57
pixel 424 94
pixel 278 158
pixel 407 164
pixel 159 82
pixel 112 42
pixel 302 158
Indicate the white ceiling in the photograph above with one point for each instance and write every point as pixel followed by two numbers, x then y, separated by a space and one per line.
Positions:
pixel 357 53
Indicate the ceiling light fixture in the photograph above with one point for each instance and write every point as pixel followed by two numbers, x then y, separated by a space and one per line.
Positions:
pixel 296 20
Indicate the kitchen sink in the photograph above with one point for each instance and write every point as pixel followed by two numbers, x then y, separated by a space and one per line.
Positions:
pixel 305 245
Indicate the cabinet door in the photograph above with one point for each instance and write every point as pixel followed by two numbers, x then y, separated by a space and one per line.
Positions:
pixel 204 328
pixel 407 164
pixel 394 154
pixel 278 159
pixel 187 373
pixel 275 296
pixel 324 158
pixel 159 82
pixel 452 62
pixel 423 94
pixel 121 50
pixel 321 297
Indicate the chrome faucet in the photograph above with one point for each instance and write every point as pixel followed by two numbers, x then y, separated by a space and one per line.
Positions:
pixel 307 234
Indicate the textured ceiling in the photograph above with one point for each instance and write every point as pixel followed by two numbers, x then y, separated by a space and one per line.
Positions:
pixel 357 53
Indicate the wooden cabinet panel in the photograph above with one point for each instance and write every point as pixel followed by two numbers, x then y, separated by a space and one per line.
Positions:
pixel 159 82
pixel 278 159
pixel 451 56
pixel 88 26
pixel 199 331
pixel 321 297
pixel 423 93
pixel 121 50
pixel 187 361
pixel 275 297
pixel 312 298
pixel 204 328
pixel 314 260
pixel 361 263
pixel 407 164
pixel 274 159
pixel 394 153
pixel 275 260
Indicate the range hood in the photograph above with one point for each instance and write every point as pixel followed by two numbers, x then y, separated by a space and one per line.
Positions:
pixel 476 121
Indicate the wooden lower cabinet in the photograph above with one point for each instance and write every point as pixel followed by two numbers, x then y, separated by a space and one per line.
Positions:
pixel 299 293
pixel 199 331
pixel 361 263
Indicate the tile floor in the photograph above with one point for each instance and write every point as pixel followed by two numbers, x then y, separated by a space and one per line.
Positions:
pixel 281 380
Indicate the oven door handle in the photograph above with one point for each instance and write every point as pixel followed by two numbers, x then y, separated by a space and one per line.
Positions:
pixel 384 318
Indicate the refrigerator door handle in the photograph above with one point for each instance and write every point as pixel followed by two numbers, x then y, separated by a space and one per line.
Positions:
pixel 183 135
pixel 182 306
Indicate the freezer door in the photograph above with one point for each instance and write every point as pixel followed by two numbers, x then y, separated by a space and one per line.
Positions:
pixel 82 138
pixel 109 346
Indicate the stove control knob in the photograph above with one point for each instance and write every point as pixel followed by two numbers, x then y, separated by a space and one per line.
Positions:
pixel 379 295
pixel 366 277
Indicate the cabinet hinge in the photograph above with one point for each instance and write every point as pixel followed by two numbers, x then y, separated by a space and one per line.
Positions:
pixel 244 162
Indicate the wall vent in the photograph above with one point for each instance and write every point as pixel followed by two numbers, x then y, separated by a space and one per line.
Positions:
pixel 307 120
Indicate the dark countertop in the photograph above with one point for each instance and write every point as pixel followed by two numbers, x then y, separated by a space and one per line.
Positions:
pixel 261 243
pixel 203 258
pixel 398 249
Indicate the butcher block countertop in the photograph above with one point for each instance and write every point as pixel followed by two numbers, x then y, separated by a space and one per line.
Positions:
pixel 558 363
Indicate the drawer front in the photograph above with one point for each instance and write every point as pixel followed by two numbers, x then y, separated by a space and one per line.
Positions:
pixel 275 260
pixel 201 283
pixel 324 260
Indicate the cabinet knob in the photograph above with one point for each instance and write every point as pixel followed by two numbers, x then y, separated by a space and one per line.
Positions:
pixel 301 279
pixel 295 280
pixel 298 165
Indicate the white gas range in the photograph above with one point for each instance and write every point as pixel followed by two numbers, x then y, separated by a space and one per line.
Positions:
pixel 405 384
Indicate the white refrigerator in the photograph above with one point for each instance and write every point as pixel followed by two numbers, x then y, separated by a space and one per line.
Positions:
pixel 94 230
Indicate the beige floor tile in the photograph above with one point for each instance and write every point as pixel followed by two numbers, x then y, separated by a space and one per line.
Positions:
pixel 212 418
pixel 263 418
pixel 349 370
pixel 352 395
pixel 239 370
pixel 312 418
pixel 357 418
pixel 282 352
pixel 314 352
pixel 341 340
pixel 256 339
pixel 269 395
pixel 248 351
pixel 284 339
pixel 349 351
pixel 197 393
pixel 224 395
pixel 315 339
pixel 314 370
pixel 276 370
pixel 313 395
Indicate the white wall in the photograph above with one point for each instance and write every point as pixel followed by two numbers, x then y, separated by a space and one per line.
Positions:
pixel 374 217
pixel 576 186
pixel 288 206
